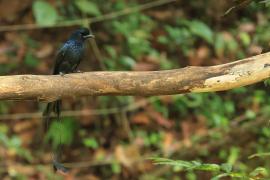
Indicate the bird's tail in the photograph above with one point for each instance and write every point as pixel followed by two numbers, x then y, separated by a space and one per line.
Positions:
pixel 54 107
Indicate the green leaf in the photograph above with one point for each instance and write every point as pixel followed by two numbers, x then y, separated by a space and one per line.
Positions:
pixel 164 161
pixel 163 40
pixel 226 167
pixel 232 175
pixel 234 154
pixel 258 172
pixel 232 45
pixel 267 82
pixel 266 2
pixel 25 153
pixel 245 38
pixel 250 114
pixel 30 60
pixel 219 176
pixel 116 168
pixel 111 51
pixel 3 128
pixel 219 44
pixel 62 132
pixel 186 165
pixel 208 167
pixel 202 30
pixel 44 13
pixel 127 61
pixel 90 142
pixel 87 7
pixel 259 155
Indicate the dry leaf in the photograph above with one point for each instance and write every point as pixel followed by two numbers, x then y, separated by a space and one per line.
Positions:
pixel 160 119
pixel 140 118
pixel 45 51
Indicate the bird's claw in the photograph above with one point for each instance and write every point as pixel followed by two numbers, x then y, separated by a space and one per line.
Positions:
pixel 78 71
pixel 62 74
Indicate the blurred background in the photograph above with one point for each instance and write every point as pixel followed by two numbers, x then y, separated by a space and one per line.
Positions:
pixel 114 137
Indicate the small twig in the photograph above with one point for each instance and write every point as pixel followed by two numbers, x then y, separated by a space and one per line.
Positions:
pixel 89 20
pixel 238 5
pixel 126 125
pixel 94 46
pixel 97 52
pixel 92 112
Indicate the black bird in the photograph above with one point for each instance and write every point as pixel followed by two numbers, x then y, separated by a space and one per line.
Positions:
pixel 67 60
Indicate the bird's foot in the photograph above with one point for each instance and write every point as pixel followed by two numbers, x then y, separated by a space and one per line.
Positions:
pixel 78 71
pixel 62 74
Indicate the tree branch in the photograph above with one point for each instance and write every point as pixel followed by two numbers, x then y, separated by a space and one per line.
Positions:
pixel 141 83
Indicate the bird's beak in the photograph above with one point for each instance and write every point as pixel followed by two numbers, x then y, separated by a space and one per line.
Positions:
pixel 89 36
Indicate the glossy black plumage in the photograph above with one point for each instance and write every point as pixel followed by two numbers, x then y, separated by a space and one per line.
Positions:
pixel 70 55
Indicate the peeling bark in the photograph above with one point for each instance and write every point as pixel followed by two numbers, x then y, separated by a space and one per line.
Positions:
pixel 141 83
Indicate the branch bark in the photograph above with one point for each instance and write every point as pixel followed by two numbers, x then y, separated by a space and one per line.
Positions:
pixel 141 83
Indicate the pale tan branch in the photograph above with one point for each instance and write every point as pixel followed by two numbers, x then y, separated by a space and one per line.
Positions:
pixel 140 83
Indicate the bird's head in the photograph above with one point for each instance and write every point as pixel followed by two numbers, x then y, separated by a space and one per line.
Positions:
pixel 81 34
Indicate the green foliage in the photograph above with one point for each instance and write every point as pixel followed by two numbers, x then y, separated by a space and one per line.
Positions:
pixel 6 68
pixel 219 171
pixel 263 34
pixel 267 2
pixel 30 60
pixel 233 155
pixel 267 82
pixel 245 38
pixel 213 107
pixel 116 168
pixel 90 142
pixel 187 33
pixel 201 30
pixel 186 165
pixel 229 45
pixel 191 29
pixel 13 144
pixel 259 155
pixel 157 104
pixel 87 7
pixel 137 39
pixel 4 107
pixel 219 44
pixel 62 132
pixel 178 37
pixel 136 30
pixel 44 13
pixel 150 139
pixel 259 172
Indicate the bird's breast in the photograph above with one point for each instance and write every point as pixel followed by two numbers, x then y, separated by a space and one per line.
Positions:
pixel 75 52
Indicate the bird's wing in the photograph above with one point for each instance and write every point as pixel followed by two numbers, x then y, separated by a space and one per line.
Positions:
pixel 59 59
